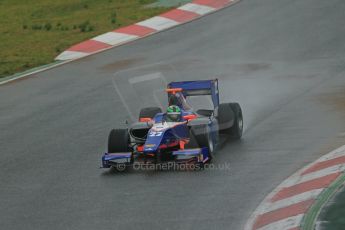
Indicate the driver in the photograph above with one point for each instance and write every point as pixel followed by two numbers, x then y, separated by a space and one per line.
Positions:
pixel 173 114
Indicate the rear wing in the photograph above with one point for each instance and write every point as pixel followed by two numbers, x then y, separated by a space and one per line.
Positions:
pixel 196 88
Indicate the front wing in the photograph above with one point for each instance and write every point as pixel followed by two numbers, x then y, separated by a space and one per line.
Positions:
pixel 198 155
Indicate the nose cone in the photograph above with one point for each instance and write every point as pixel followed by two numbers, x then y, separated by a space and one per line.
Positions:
pixel 153 141
pixel 148 148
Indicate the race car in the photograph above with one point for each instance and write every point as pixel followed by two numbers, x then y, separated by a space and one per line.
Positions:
pixel 181 135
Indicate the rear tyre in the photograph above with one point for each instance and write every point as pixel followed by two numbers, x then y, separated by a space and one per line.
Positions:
pixel 149 112
pixel 237 129
pixel 230 119
pixel 226 117
pixel 118 141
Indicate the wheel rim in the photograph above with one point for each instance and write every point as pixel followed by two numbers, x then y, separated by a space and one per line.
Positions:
pixel 210 142
pixel 211 146
pixel 240 124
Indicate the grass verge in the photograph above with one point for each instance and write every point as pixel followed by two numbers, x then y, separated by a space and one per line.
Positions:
pixel 34 32
pixel 332 215
pixel 309 220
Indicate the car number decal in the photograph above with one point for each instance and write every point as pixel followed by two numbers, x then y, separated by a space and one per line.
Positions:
pixel 155 134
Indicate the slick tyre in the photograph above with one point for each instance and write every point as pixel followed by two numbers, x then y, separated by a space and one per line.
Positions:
pixel 226 117
pixel 230 119
pixel 237 129
pixel 118 141
pixel 201 137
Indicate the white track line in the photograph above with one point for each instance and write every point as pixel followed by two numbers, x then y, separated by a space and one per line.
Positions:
pixel 158 23
pixel 67 55
pixel 288 223
pixel 114 38
pixel 340 152
pixel 314 175
pixel 196 8
pixel 291 200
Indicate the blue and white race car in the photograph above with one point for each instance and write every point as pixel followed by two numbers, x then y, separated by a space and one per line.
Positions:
pixel 181 134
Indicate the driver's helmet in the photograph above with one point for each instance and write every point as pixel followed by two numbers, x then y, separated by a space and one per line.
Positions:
pixel 173 114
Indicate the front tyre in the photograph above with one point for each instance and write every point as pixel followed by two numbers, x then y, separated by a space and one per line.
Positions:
pixel 118 141
pixel 202 137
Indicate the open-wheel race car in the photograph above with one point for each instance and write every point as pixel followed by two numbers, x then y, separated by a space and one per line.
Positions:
pixel 182 134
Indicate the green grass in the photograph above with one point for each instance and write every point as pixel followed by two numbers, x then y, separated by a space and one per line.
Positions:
pixel 34 32
pixel 333 214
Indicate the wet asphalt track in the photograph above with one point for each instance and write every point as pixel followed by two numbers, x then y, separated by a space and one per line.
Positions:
pixel 283 60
